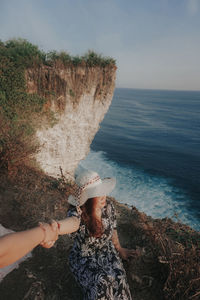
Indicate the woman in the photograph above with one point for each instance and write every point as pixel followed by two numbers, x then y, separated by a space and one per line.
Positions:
pixel 94 258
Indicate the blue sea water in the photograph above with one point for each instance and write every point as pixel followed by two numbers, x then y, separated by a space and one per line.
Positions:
pixel 150 141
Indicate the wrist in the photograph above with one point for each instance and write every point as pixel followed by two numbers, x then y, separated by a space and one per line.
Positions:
pixel 118 247
pixel 43 229
pixel 58 226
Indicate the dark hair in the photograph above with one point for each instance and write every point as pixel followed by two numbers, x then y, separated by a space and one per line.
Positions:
pixel 89 219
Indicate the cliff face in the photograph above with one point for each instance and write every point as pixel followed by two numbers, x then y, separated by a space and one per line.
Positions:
pixel 79 97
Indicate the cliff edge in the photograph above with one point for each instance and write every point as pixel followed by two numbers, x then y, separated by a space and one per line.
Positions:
pixel 167 268
pixel 79 96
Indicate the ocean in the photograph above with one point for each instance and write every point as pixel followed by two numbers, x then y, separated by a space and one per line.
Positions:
pixel 150 141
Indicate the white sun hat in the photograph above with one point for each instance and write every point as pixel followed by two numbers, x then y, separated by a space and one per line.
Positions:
pixel 89 185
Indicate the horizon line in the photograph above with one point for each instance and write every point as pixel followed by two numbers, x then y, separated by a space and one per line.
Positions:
pixel 156 89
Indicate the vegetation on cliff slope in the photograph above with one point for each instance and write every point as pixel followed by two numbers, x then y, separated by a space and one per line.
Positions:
pixel 17 107
pixel 20 110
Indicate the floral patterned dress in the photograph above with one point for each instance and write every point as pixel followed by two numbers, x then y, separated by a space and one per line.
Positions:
pixel 95 262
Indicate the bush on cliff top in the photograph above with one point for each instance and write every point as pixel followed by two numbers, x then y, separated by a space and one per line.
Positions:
pixel 89 59
pixel 20 51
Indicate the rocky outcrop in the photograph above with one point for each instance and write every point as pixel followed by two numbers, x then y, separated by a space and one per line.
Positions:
pixel 79 97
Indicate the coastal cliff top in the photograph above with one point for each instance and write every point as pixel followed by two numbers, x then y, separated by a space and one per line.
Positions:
pixel 20 59
pixel 167 267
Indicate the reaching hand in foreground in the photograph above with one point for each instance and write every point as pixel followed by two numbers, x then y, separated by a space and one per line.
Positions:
pixel 15 245
pixel 127 253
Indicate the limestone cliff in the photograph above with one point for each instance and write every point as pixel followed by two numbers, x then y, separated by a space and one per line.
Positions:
pixel 79 96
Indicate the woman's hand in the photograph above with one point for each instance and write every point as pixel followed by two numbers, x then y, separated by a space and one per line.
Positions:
pixel 50 234
pixel 127 253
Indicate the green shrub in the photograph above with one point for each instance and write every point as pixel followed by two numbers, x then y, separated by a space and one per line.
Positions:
pixel 90 59
pixel 65 57
pixel 93 59
pixel 16 143
pixel 20 51
pixel 17 107
pixel 53 56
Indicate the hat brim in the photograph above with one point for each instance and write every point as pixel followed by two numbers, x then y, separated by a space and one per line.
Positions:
pixel 103 189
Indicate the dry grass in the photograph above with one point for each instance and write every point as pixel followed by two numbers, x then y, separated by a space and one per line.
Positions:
pixel 167 268
pixel 178 247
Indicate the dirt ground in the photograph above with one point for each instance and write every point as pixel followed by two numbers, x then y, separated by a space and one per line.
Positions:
pixel 30 196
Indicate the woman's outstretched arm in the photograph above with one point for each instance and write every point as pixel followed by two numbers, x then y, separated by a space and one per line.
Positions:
pixel 15 245
pixel 124 252
pixel 68 225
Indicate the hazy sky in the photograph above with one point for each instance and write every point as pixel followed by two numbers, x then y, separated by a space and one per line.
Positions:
pixel 156 42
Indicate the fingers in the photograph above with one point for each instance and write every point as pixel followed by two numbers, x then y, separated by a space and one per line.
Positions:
pixel 48 244
pixel 131 253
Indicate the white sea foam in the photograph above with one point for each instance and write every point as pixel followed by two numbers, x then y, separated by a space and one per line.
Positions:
pixel 154 195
